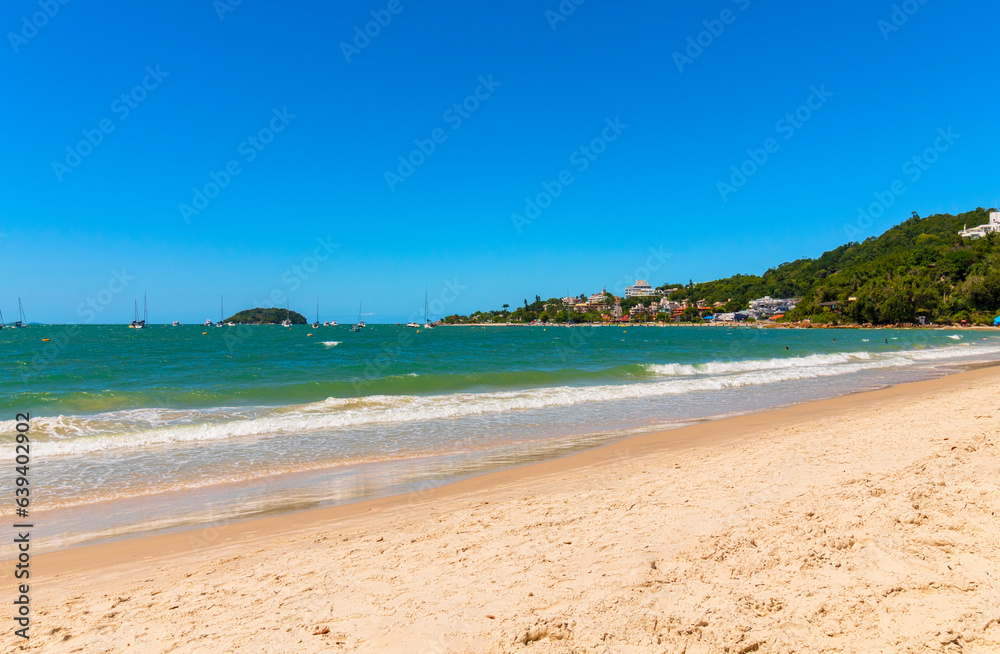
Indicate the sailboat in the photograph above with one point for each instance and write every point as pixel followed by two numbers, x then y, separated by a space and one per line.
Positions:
pixel 287 321
pixel 222 311
pixel 427 315
pixel 357 327
pixel 316 324
pixel 20 315
pixel 1 320
pixel 136 323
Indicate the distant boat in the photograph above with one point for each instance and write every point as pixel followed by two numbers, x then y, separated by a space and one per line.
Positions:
pixel 361 323
pixel 208 323
pixel 1 320
pixel 427 315
pixel 287 321
pixel 136 323
pixel 222 311
pixel 176 324
pixel 316 324
pixel 413 324
pixel 20 324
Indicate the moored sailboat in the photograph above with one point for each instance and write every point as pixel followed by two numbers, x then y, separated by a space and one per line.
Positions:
pixel 427 316
pixel 136 323
pixel 21 321
pixel 360 323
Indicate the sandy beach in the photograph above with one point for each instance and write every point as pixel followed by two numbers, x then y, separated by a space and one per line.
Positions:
pixel 860 524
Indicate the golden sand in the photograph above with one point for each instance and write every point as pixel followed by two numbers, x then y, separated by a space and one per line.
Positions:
pixel 861 524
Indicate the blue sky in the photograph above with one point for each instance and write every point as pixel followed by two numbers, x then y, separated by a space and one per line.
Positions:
pixel 74 216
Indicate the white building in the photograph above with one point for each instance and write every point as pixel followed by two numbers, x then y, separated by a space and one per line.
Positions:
pixel 641 289
pixel 597 299
pixel 982 230
pixel 768 306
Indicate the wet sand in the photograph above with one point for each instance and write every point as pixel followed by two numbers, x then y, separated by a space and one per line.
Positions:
pixel 864 523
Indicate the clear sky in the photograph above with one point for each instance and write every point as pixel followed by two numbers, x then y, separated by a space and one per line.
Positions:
pixel 118 113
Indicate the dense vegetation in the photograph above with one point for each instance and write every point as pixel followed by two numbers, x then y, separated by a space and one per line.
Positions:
pixel 921 267
pixel 272 316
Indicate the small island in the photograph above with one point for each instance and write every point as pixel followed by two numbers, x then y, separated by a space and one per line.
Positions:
pixel 271 316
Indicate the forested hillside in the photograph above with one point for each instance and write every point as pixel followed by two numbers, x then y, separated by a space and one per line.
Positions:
pixel 920 267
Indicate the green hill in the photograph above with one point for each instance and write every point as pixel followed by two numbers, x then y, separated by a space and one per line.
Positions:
pixel 919 267
pixel 266 317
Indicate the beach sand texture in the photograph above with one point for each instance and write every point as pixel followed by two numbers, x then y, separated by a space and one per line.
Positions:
pixel 861 524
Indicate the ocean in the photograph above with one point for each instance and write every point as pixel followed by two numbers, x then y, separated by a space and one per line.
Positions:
pixel 165 428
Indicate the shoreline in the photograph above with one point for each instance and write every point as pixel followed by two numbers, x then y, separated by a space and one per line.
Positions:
pixel 704 433
pixel 845 524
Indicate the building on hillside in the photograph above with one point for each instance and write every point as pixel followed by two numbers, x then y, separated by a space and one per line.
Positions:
pixel 670 305
pixel 768 306
pixel 598 300
pixel 982 230
pixel 638 312
pixel 641 289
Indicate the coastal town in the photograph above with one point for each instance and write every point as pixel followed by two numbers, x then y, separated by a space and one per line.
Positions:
pixel 925 271
pixel 641 303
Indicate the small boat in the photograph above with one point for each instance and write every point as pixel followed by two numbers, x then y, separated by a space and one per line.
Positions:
pixel 20 324
pixel 231 323
pixel 1 320
pixel 208 323
pixel 427 316
pixel 361 323
pixel 176 324
pixel 222 311
pixel 413 324
pixel 286 322
pixel 136 323
pixel 315 325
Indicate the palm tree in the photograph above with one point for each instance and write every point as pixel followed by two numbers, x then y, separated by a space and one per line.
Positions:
pixel 505 307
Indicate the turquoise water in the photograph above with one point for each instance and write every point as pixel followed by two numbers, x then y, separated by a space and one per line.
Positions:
pixel 143 430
